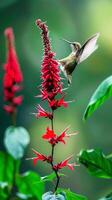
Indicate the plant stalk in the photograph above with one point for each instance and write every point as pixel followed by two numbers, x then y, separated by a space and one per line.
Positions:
pixel 14 118
pixel 52 155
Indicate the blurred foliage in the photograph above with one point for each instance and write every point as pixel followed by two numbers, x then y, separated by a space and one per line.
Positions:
pixel 74 20
pixel 70 195
pixel 101 94
pixel 108 197
pixel 13 184
pixel 97 163
pixel 28 186
pixel 16 139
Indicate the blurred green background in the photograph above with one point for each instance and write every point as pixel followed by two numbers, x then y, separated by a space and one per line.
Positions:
pixel 75 20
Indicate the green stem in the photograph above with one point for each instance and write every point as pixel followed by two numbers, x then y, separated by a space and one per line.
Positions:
pixel 14 118
pixel 52 155
pixel 13 189
pixel 58 179
pixel 52 121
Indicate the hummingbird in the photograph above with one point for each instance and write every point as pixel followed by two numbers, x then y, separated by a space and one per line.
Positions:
pixel 79 53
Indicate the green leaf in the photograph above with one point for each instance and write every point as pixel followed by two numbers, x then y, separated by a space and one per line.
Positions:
pixel 70 195
pixel 51 196
pixel 97 163
pixel 4 190
pixel 24 196
pixel 16 140
pixel 108 197
pixel 102 93
pixel 7 168
pixel 49 177
pixel 28 185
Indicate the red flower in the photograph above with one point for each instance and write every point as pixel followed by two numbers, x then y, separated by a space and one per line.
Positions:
pixel 61 137
pixel 50 136
pixel 42 113
pixel 64 164
pixel 9 108
pixel 40 157
pixel 13 76
pixel 53 139
pixel 51 84
pixel 54 104
pixel 17 100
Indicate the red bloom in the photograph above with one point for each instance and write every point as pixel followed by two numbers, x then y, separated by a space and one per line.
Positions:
pixel 40 157
pixel 53 138
pixel 50 136
pixel 54 104
pixel 9 108
pixel 51 84
pixel 64 164
pixel 42 113
pixel 13 76
pixel 61 137
pixel 17 100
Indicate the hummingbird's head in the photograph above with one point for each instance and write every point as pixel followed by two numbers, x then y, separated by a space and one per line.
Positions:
pixel 75 46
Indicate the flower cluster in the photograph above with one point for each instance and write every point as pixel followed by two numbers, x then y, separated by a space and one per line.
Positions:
pixel 48 159
pixel 65 163
pixel 51 87
pixel 13 75
pixel 41 157
pixel 53 138
pixel 51 82
pixel 42 113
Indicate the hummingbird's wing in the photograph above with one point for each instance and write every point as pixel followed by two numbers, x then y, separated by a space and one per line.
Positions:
pixel 88 48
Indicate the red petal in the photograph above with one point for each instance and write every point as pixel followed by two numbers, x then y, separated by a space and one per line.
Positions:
pixel 49 134
pixel 61 137
pixel 16 88
pixel 9 109
pixel 64 163
pixel 70 166
pixel 35 161
pixel 17 100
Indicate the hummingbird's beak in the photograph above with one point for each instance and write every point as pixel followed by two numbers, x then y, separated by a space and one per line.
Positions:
pixel 67 41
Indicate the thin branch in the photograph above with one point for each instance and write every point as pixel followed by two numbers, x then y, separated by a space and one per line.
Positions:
pixel 14 118
pixel 58 179
pixel 52 155
pixel 52 121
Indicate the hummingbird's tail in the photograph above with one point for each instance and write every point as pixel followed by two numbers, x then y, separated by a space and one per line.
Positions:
pixel 69 78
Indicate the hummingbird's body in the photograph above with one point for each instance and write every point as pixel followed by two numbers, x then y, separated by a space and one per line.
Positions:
pixel 69 63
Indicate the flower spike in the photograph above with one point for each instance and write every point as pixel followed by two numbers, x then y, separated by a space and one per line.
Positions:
pixel 51 83
pixel 52 92
pixel 13 75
